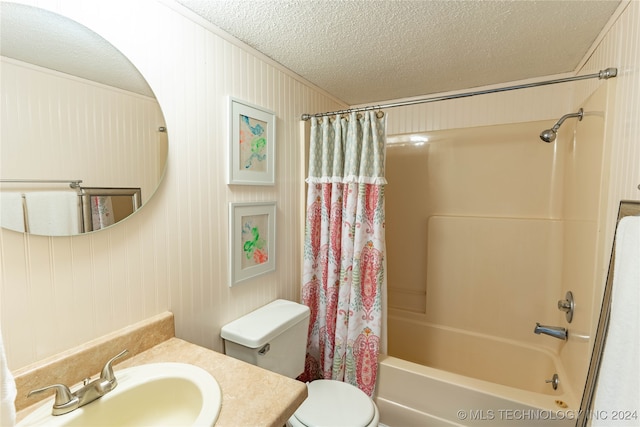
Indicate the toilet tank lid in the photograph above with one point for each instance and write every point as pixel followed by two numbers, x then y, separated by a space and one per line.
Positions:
pixel 257 328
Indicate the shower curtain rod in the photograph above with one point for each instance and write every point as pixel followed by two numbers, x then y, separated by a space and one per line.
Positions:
pixel 73 183
pixel 603 74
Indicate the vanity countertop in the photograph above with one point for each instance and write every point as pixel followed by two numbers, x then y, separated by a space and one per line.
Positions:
pixel 251 396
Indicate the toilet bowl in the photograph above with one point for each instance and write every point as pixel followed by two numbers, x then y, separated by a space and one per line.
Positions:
pixel 335 404
pixel 274 337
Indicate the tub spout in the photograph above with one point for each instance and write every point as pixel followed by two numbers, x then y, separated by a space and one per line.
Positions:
pixel 554 331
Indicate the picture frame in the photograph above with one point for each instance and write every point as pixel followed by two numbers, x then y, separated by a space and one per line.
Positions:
pixel 252 140
pixel 252 240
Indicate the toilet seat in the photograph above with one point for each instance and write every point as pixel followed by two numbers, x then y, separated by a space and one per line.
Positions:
pixel 335 403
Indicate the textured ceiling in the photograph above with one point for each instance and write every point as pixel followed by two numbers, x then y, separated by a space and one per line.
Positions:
pixel 360 51
pixel 364 51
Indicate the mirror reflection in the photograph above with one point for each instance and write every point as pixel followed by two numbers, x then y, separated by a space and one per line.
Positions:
pixel 83 141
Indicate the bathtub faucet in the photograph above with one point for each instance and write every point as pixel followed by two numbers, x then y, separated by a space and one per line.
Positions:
pixel 554 331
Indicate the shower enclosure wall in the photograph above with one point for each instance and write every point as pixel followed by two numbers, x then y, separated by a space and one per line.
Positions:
pixel 487 229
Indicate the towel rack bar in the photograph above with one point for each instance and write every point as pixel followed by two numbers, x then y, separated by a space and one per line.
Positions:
pixel 73 183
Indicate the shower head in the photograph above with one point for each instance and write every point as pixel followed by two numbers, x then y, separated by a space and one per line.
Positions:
pixel 549 135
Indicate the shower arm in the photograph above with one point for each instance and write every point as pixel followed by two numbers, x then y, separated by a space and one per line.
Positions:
pixel 579 114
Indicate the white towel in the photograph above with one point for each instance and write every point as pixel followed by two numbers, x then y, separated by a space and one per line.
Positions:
pixel 618 390
pixel 11 210
pixel 7 392
pixel 53 213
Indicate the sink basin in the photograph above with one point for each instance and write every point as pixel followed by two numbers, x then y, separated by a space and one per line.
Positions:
pixel 157 394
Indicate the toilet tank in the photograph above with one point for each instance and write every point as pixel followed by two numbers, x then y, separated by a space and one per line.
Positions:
pixel 273 337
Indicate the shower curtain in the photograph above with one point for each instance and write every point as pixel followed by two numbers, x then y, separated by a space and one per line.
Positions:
pixel 101 212
pixel 344 249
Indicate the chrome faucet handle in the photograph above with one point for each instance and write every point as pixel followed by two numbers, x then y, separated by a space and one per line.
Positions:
pixel 63 394
pixel 107 371
pixel 564 305
pixel 567 305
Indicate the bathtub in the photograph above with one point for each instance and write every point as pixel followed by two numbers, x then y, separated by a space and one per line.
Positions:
pixel 466 379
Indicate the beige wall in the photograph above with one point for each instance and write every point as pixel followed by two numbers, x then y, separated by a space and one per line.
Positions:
pixel 58 292
pixel 621 48
pixel 488 228
pixel 172 255
pixel 584 174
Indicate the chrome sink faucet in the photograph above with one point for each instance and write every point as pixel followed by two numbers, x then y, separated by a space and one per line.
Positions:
pixel 554 331
pixel 66 401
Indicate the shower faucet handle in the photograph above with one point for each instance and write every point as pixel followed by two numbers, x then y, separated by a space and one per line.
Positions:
pixel 567 305
pixel 564 305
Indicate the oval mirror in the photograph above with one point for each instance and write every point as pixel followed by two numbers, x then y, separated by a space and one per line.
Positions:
pixel 82 136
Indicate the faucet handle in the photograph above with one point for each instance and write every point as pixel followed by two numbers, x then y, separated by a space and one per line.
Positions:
pixel 63 394
pixel 567 305
pixel 107 371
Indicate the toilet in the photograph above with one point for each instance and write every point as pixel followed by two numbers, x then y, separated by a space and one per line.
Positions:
pixel 274 337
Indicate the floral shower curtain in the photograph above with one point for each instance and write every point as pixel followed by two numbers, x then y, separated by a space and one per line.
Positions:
pixel 344 250
pixel 101 212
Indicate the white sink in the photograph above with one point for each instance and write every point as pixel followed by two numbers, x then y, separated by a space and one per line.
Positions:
pixel 158 394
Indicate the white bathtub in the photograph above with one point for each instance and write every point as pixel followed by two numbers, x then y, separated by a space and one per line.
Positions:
pixel 465 379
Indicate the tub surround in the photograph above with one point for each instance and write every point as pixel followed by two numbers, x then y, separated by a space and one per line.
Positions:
pixel 409 394
pixel 250 395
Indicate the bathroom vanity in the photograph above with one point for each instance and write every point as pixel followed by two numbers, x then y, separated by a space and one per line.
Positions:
pixel 250 395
